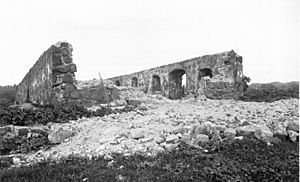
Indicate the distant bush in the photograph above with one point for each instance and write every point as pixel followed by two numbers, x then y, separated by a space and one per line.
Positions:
pixel 271 92
pixel 7 95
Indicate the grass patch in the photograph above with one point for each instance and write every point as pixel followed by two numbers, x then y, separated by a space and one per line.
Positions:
pixel 245 160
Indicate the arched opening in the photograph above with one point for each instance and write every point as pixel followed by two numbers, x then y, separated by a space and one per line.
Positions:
pixel 134 82
pixel 204 73
pixel 156 86
pixel 117 83
pixel 177 84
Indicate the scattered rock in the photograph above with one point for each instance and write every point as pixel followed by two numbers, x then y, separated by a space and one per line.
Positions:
pixel 293 125
pixel 221 128
pixel 179 130
pixel 172 139
pixel 159 139
pixel 215 137
pixel 201 138
pixel 148 139
pixel 263 133
pixel 245 130
pixel 59 132
pixel 230 133
pixel 158 150
pixel 137 133
pixel 205 129
pixel 170 146
pixel 294 136
pixel 16 160
pixel 186 138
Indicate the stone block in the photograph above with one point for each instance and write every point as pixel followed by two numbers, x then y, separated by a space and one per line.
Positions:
pixel 67 60
pixel 230 133
pixel 60 132
pixel 137 133
pixel 56 60
pixel 201 138
pixel 68 78
pixel 75 94
pixel 263 133
pixel 65 52
pixel 293 125
pixel 172 139
pixel 245 130
pixel 293 135
pixel 204 128
pixel 65 68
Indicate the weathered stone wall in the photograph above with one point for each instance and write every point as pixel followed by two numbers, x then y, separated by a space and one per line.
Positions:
pixel 52 80
pixel 52 77
pixel 226 77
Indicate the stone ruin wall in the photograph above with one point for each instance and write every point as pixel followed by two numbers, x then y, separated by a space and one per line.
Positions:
pixel 52 80
pixel 226 81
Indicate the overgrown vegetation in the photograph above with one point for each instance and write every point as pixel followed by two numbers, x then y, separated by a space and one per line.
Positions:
pixel 271 92
pixel 7 95
pixel 60 114
pixel 237 160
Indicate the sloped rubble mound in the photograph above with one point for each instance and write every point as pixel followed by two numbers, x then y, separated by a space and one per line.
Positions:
pixel 236 160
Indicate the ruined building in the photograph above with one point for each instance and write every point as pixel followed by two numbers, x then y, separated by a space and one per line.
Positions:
pixel 52 79
pixel 217 76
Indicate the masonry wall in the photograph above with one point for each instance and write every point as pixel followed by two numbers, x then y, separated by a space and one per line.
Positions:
pixel 51 79
pixel 226 81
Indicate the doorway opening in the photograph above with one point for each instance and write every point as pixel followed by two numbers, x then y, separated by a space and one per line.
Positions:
pixel 134 82
pixel 204 73
pixel 156 86
pixel 177 84
pixel 117 83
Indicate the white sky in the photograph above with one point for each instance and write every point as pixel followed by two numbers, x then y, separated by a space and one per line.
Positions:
pixel 116 37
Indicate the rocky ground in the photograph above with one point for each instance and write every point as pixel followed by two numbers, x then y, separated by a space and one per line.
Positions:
pixel 158 125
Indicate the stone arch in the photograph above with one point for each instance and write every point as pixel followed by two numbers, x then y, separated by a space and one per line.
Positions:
pixel 155 84
pixel 134 82
pixel 176 86
pixel 205 72
pixel 117 83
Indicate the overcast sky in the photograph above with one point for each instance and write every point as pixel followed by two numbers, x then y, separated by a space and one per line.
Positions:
pixel 115 37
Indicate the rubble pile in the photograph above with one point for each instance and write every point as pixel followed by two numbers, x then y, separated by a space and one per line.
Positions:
pixel 149 130
pixel 150 125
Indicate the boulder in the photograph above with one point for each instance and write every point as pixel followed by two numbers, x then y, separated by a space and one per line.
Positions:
pixel 293 125
pixel 172 139
pixel 230 133
pixel 158 150
pixel 221 128
pixel 134 102
pixel 201 138
pixel 159 139
pixel 179 130
pixel 263 133
pixel 186 138
pixel 204 128
pixel 294 136
pixel 216 136
pixel 137 133
pixel 245 130
pixel 60 132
